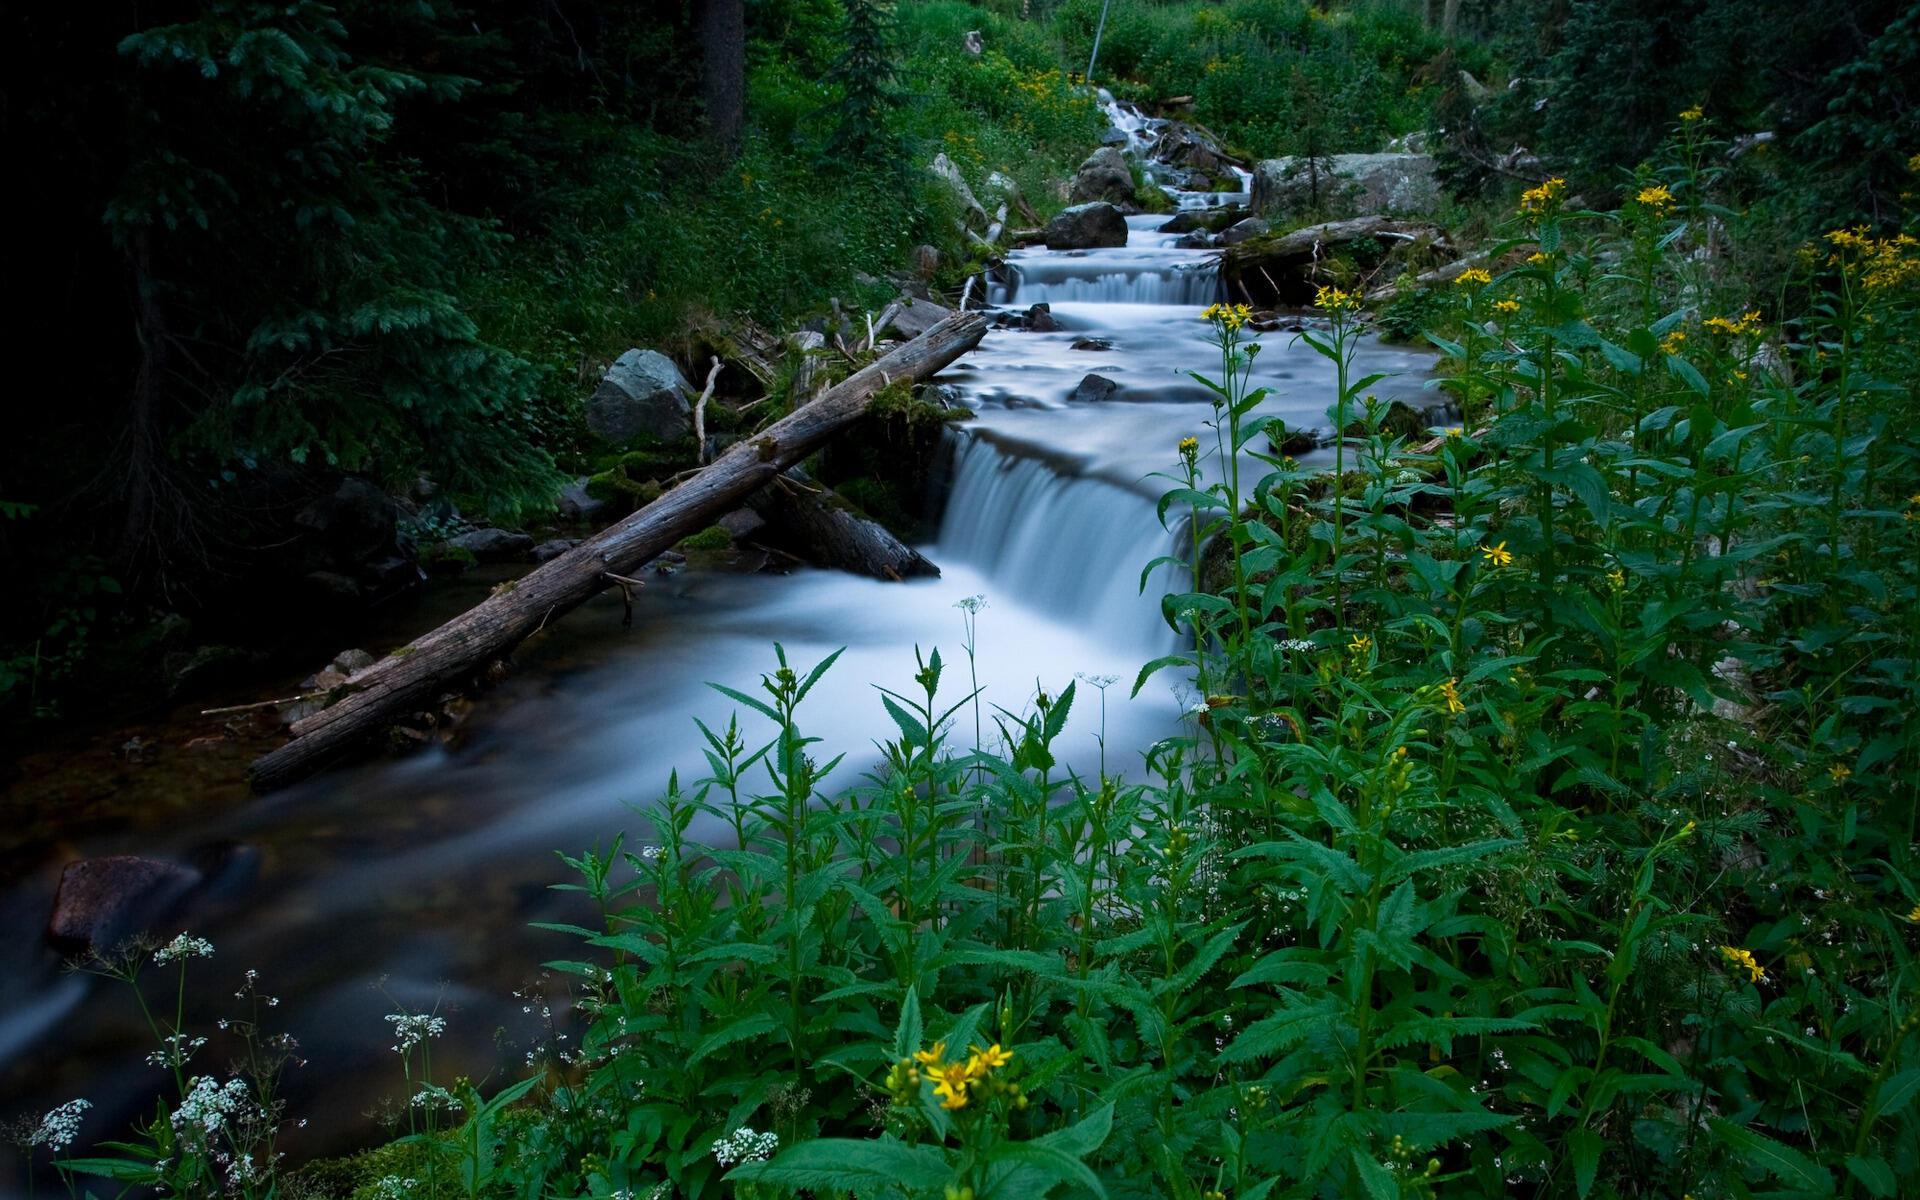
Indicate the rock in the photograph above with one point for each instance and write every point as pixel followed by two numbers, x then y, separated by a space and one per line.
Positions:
pixel 1475 90
pixel 926 261
pixel 1094 389
pixel 331 587
pixel 574 502
pixel 741 523
pixel 643 395
pixel 917 316
pixel 1085 226
pixel 942 168
pixel 1186 221
pixel 1349 185
pixel 1092 343
pixel 356 522
pixel 973 43
pixel 1001 188
pixel 352 661
pixel 549 550
pixel 103 901
pixel 392 574
pixel 1292 442
pixel 1409 143
pixel 1197 240
pixel 1103 176
pixel 1240 231
pixel 1114 136
pixel 204 666
pixel 494 545
pixel 1039 319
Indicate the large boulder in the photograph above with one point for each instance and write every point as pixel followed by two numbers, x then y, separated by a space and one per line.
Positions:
pixel 942 169
pixel 917 316
pixel 355 522
pixel 1240 231
pixel 643 395
pixel 1085 226
pixel 103 901
pixel 1094 389
pixel 1347 185
pixel 1103 176
pixel 494 545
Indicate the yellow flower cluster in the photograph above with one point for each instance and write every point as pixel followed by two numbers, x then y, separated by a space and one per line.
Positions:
pixel 1839 772
pixel 1509 307
pixel 1545 197
pixel 1748 322
pixel 1334 300
pixel 1537 258
pixel 1743 959
pixel 1497 555
pixel 1672 342
pixel 1360 644
pixel 1450 692
pixel 1657 198
pixel 1189 447
pixel 1914 916
pixel 955 1082
pixel 1229 317
pixel 1692 114
pixel 1474 275
pixel 1883 263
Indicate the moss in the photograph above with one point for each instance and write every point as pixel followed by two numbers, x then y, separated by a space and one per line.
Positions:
pixel 445 558
pixel 880 502
pixel 616 484
pixel 357 1176
pixel 711 538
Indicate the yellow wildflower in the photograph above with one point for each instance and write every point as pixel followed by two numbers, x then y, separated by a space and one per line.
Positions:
pixel 1472 276
pixel 1743 959
pixel 1189 446
pixel 928 1058
pixel 1914 916
pixel 1671 343
pixel 1334 300
pixel 1657 198
pixel 1692 114
pixel 1360 643
pixel 1617 579
pixel 1747 322
pixel 1497 555
pixel 1545 197
pixel 1537 258
pixel 1454 431
pixel 1228 316
pixel 1839 772
pixel 1450 691
pixel 993 1057
pixel 1509 307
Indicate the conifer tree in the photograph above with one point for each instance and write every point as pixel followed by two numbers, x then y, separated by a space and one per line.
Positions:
pixel 864 74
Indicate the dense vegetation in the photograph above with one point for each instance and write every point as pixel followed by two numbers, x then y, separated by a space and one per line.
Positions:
pixel 1545 823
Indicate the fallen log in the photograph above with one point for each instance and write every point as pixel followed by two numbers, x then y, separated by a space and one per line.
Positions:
pixel 1281 270
pixel 823 529
pixel 409 678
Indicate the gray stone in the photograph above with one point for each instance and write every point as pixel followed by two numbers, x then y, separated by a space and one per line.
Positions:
pixel 643 394
pixel 549 550
pixel 357 521
pixel 1085 226
pixel 1093 390
pixel 741 523
pixel 494 545
pixel 1240 231
pixel 942 169
pixel 1039 319
pixel 1186 221
pixel 574 502
pixel 1114 136
pixel 351 661
pixel 103 901
pixel 1103 176
pixel 1197 240
pixel 1092 343
pixel 1394 185
pixel 917 316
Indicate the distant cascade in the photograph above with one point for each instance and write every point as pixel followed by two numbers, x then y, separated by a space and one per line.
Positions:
pixel 1068 545
pixel 1109 279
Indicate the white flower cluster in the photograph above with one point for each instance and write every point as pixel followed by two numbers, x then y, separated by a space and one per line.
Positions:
pixel 208 1104
pixel 1297 645
pixel 744 1145
pixel 653 853
pixel 179 1048
pixel 433 1097
pixel 59 1127
pixel 410 1029
pixel 392 1187
pixel 183 947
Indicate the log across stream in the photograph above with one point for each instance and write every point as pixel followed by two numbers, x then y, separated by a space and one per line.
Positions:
pixel 420 875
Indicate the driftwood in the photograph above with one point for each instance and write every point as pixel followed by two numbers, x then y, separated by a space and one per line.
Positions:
pixel 1281 269
pixel 1441 274
pixel 821 527
pixel 410 677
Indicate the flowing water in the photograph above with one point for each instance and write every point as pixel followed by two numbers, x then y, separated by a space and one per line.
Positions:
pixel 412 882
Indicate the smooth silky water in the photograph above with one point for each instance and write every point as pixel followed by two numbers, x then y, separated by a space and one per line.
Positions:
pixel 413 882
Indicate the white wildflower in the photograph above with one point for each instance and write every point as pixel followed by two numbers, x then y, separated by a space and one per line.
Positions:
pixel 433 1096
pixel 183 947
pixel 410 1029
pixel 59 1127
pixel 393 1187
pixel 208 1104
pixel 744 1145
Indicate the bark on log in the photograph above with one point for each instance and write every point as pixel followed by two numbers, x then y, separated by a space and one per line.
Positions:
pixel 1269 270
pixel 409 678
pixel 821 528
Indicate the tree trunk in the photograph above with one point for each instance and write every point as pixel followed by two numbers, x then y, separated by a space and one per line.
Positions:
pixel 723 42
pixel 821 528
pixel 1281 270
pixel 410 677
pixel 1450 20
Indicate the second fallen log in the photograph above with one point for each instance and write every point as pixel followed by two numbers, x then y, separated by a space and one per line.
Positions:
pixel 823 528
pixel 409 678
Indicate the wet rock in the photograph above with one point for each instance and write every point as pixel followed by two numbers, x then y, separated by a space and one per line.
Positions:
pixel 1114 136
pixel 494 545
pixel 1291 442
pixel 1197 240
pixel 1085 226
pixel 1039 319
pixel 574 502
pixel 942 169
pixel 103 901
pixel 344 666
pixel 1094 389
pixel 550 550
pixel 1092 343
pixel 1346 185
pixel 642 395
pixel 1104 175
pixel 389 575
pixel 742 523
pixel 1186 221
pixel 1241 231
pixel 353 660
pixel 917 316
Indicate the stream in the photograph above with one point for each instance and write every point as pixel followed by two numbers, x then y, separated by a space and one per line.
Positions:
pixel 412 882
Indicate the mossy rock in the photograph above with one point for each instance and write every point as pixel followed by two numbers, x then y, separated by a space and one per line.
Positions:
pixel 711 538
pixel 615 485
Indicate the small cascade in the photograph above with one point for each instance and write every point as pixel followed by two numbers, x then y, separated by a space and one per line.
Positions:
pixel 1103 279
pixel 1068 546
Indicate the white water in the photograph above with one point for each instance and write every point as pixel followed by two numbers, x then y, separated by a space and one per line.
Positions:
pixel 428 869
